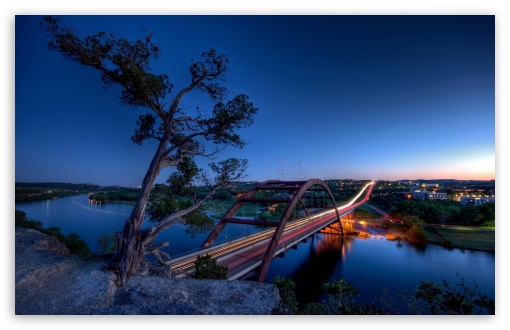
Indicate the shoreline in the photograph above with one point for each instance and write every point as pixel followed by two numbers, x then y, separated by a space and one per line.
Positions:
pixel 404 238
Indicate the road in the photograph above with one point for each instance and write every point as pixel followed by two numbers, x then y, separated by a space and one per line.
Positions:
pixel 243 255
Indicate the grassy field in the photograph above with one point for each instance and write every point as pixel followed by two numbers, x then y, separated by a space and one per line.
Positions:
pixel 364 212
pixel 476 238
pixel 433 236
pixel 473 238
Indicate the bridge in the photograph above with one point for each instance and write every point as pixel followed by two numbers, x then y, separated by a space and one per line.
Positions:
pixel 309 208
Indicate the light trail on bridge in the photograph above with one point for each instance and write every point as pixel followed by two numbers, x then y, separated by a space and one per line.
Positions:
pixel 248 249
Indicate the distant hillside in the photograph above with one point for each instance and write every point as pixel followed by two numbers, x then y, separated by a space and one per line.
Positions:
pixel 32 191
pixel 449 181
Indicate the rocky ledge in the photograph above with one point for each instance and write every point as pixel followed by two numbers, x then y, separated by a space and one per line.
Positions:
pixel 51 281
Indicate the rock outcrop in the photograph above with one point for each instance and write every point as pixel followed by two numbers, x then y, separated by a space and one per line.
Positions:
pixel 51 281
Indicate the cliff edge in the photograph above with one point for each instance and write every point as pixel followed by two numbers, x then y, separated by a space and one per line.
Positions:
pixel 48 280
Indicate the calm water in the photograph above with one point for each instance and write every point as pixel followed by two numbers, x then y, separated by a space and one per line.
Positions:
pixel 90 221
pixel 369 264
pixel 374 264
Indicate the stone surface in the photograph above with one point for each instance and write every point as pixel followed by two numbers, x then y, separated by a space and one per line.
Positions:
pixel 49 281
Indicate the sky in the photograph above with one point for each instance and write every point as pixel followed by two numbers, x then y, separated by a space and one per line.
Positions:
pixel 339 97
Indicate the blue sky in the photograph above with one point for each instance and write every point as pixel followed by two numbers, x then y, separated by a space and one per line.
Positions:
pixel 363 97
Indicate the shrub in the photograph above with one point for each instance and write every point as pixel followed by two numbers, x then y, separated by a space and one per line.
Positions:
pixel 288 302
pixel 73 241
pixel 76 245
pixel 207 268
pixel 107 243
pixel 461 299
pixel 429 298
pixel 22 221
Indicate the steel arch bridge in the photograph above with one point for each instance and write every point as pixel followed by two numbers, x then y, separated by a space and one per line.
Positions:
pixel 297 188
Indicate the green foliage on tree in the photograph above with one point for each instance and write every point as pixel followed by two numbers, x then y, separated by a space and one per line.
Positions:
pixel 124 195
pixel 429 298
pixel 482 215
pixel 223 195
pixel 207 268
pixel 461 299
pixel 413 227
pixel 288 304
pixel 32 191
pixel 76 245
pixel 100 197
pixel 21 220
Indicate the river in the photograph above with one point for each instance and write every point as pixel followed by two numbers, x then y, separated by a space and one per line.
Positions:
pixel 369 264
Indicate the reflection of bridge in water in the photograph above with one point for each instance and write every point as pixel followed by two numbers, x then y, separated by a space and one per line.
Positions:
pixel 254 253
pixel 325 256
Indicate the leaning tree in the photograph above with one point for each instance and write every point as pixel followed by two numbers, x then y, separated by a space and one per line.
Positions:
pixel 181 134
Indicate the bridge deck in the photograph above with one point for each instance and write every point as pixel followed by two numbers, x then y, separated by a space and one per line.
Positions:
pixel 244 255
pixel 246 261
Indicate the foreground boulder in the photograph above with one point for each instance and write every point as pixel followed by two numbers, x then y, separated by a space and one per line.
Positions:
pixel 50 281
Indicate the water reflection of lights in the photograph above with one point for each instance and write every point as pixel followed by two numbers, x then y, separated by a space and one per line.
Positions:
pixel 327 242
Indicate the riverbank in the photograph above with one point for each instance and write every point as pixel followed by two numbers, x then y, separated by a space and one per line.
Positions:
pixel 461 237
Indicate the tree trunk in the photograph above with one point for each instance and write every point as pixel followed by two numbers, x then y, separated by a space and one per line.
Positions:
pixel 130 248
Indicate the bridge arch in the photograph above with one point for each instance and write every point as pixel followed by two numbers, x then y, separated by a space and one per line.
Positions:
pixel 298 189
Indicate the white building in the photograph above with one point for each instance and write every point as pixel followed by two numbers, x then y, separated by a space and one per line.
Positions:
pixel 424 195
pixel 471 200
pixel 437 195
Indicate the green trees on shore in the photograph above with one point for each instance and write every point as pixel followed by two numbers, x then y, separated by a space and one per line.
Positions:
pixel 413 227
pixel 126 195
pixel 438 212
pixel 429 298
pixel 73 241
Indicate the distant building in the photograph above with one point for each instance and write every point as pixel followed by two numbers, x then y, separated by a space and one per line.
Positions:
pixel 424 195
pixel 425 186
pixel 437 195
pixel 409 182
pixel 471 200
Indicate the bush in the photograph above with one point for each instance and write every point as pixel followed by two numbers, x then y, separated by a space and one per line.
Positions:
pixel 107 243
pixel 462 299
pixel 73 241
pixel 76 245
pixel 429 298
pixel 413 227
pixel 207 268
pixel 288 302
pixel 22 221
